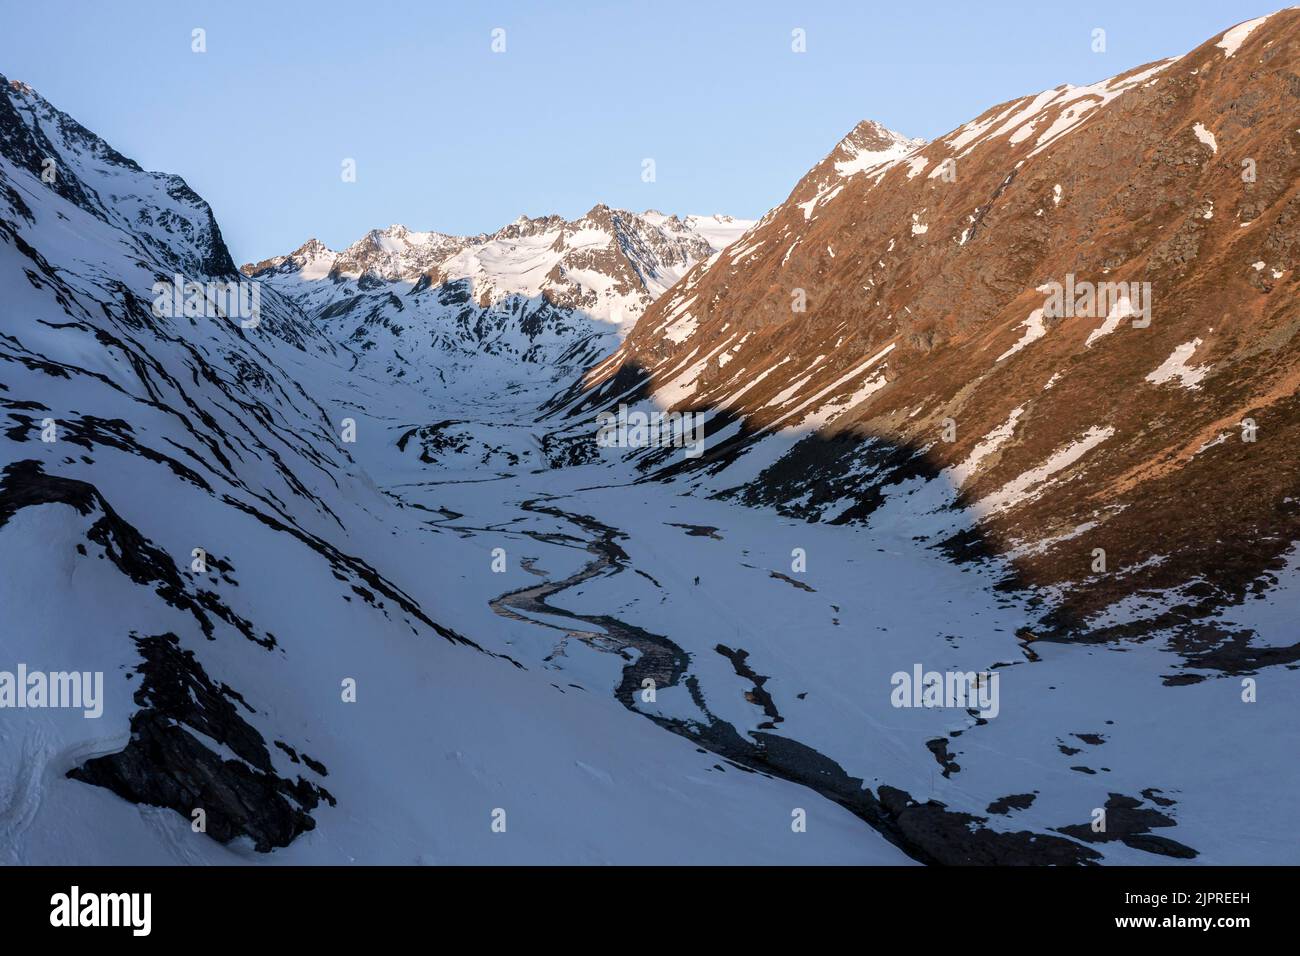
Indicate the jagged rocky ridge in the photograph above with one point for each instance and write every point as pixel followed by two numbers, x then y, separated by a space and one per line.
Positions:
pixel 436 309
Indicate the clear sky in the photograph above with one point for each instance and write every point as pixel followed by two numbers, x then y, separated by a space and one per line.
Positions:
pixel 449 135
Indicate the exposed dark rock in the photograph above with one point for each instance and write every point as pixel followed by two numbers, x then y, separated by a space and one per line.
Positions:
pixel 166 765
pixel 1012 801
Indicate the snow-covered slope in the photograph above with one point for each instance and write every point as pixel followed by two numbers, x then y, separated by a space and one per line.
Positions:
pixel 224 681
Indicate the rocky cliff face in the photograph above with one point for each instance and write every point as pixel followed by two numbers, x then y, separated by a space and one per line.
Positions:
pixel 164 217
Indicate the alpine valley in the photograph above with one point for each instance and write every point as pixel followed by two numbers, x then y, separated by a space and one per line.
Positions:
pixel 364 587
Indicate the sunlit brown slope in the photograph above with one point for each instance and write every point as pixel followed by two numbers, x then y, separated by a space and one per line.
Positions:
pixel 1070 434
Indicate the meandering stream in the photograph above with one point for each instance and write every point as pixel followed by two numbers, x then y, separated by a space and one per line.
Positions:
pixel 928 832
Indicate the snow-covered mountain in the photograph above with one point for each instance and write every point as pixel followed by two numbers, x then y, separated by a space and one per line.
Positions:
pixel 365 585
pixel 555 293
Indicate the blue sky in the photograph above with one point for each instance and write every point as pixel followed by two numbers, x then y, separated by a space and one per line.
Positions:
pixel 448 135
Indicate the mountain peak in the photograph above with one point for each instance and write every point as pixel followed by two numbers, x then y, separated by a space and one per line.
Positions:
pixel 312 247
pixel 869 134
pixel 869 145
pixel 600 213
